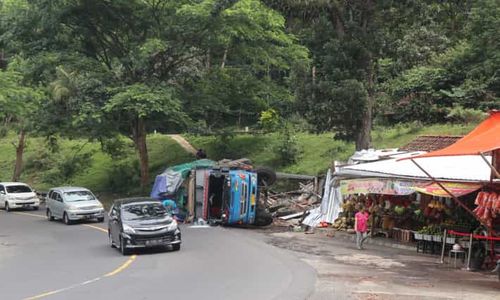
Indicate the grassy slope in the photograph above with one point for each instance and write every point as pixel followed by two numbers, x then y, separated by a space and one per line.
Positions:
pixel 162 152
pixel 317 152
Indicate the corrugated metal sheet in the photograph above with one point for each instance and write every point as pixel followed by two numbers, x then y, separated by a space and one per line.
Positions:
pixel 467 168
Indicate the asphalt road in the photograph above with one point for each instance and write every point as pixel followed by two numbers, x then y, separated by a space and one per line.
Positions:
pixel 49 260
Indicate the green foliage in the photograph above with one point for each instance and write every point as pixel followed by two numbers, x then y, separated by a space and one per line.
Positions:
pixel 223 147
pixel 269 120
pixel 287 148
pixel 122 175
pixel 458 114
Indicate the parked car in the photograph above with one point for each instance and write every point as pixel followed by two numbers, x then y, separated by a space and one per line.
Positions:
pixel 142 223
pixel 17 195
pixel 73 203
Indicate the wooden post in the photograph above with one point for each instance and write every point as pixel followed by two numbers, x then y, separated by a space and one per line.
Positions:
pixel 444 246
pixel 469 253
pixel 495 162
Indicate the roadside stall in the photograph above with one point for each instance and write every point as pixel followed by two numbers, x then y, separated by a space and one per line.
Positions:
pixel 482 143
pixel 406 199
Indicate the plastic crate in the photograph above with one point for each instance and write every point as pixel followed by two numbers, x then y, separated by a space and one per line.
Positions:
pixel 437 238
pixel 418 236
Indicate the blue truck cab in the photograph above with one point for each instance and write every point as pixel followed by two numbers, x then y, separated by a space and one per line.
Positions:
pixel 230 196
pixel 243 199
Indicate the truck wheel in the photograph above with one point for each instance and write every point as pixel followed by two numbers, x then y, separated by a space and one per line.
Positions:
pixel 265 176
pixel 7 207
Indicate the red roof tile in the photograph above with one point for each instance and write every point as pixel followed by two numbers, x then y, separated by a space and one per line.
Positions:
pixel 430 143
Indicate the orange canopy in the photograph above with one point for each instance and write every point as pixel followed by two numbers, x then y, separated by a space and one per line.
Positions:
pixel 484 138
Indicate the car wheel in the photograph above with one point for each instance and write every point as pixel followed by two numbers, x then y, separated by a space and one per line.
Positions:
pixel 176 247
pixel 49 215
pixel 35 207
pixel 123 248
pixel 66 219
pixel 7 207
pixel 100 220
pixel 111 240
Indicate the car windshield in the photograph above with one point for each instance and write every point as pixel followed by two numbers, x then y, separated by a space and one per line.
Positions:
pixel 14 189
pixel 136 211
pixel 75 196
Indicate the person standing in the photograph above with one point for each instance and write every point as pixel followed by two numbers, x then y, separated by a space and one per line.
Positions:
pixel 200 154
pixel 361 226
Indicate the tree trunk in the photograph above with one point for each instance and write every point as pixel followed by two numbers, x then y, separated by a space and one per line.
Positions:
pixel 363 139
pixel 139 137
pixel 336 19
pixel 224 58
pixel 313 90
pixel 18 167
pixel 209 59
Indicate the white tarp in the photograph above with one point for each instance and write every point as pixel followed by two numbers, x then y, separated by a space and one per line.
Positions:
pixel 447 168
pixel 331 204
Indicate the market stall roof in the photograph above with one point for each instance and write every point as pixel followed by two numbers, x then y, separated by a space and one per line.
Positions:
pixel 484 138
pixel 465 168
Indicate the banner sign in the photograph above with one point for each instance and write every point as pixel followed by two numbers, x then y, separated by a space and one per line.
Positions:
pixel 457 189
pixel 379 186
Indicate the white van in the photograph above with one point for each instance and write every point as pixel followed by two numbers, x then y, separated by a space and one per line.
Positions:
pixel 72 204
pixel 17 195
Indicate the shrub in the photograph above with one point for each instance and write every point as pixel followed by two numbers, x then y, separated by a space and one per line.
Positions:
pixel 269 120
pixel 287 147
pixel 123 175
pixel 459 114
pixel 222 145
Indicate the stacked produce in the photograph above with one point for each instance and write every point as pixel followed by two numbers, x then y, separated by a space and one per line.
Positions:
pixel 488 206
pixel 435 209
pixel 340 223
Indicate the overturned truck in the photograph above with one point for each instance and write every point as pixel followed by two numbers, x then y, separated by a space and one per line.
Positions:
pixel 225 192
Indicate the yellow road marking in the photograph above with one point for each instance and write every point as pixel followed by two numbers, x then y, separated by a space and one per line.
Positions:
pixel 125 265
pixel 122 267
pixel 96 227
pixel 118 270
pixel 42 295
pixel 28 214
pixel 41 216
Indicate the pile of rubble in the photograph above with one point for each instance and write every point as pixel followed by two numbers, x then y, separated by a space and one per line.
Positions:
pixel 289 208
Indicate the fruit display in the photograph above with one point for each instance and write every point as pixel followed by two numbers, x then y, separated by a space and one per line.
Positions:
pixel 436 209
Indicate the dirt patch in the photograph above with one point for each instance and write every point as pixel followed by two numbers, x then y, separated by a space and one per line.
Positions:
pixel 373 260
pixel 183 143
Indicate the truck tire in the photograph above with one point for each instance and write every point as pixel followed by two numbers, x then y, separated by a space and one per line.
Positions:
pixel 266 176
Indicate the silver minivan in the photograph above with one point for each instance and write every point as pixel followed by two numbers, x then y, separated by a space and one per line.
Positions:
pixel 73 203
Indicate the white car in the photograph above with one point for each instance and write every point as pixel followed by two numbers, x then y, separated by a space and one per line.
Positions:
pixel 73 203
pixel 17 195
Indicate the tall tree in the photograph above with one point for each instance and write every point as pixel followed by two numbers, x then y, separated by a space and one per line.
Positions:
pixel 126 65
pixel 19 103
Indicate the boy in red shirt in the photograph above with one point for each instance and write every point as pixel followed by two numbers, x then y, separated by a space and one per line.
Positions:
pixel 361 226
